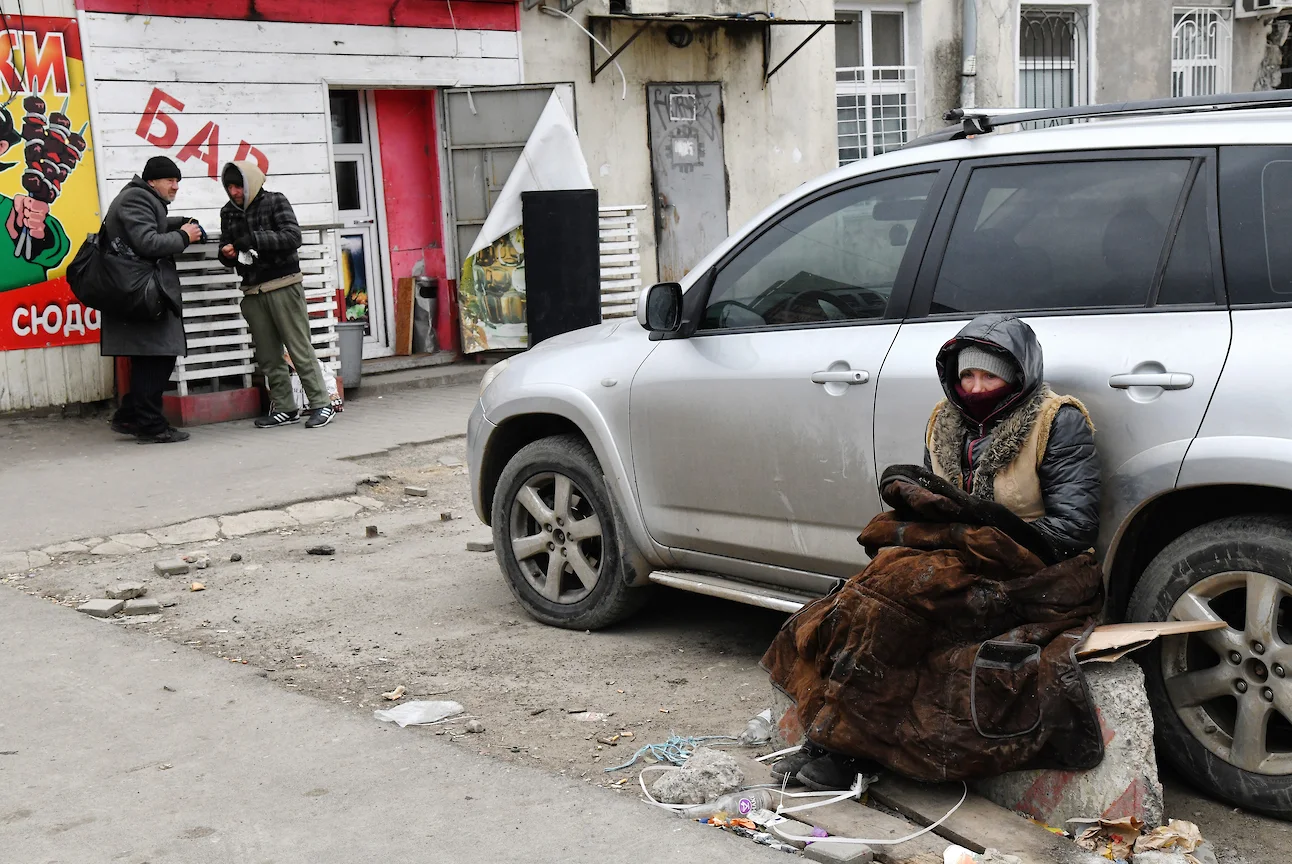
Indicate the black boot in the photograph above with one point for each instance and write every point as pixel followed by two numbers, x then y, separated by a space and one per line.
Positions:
pixel 833 772
pixel 788 766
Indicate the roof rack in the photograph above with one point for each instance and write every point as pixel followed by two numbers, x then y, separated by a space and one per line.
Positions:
pixel 971 122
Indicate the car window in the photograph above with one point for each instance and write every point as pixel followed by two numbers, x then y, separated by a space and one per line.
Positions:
pixel 1059 235
pixel 833 260
pixel 1189 276
pixel 1256 222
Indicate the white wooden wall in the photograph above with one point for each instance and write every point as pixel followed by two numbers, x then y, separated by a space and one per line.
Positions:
pixel 42 377
pixel 266 83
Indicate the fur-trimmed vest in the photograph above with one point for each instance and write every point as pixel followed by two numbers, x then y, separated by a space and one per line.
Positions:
pixel 1007 472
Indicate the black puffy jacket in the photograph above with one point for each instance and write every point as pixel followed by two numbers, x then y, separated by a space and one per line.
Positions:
pixel 1069 470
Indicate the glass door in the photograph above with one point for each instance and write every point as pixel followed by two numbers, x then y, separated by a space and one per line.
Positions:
pixel 359 270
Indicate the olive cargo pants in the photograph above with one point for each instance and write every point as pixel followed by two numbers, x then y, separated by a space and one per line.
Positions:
pixel 278 320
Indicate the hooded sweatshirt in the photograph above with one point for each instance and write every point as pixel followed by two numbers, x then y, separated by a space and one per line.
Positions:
pixel 1033 424
pixel 264 226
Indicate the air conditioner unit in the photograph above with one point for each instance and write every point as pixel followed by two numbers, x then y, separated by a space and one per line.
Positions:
pixel 1252 8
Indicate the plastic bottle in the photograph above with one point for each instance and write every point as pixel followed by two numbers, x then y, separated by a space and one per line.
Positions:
pixel 758 730
pixel 733 803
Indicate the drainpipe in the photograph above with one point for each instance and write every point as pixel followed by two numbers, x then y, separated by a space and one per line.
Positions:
pixel 969 50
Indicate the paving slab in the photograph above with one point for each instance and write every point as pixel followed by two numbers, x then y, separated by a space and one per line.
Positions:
pixel 141 606
pixel 314 512
pixel 101 608
pixel 173 567
pixel 20 562
pixel 112 547
pixel 140 541
pixel 193 531
pixel 72 548
pixel 255 522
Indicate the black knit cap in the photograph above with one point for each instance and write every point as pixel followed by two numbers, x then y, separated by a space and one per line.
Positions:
pixel 161 168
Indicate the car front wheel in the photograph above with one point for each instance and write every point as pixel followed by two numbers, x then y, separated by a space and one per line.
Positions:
pixel 557 539
pixel 1222 699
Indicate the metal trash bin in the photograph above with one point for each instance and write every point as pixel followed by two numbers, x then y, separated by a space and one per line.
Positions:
pixel 350 338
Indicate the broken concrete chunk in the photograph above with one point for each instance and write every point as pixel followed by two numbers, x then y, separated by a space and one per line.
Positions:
pixel 479 545
pixel 235 557
pixel 475 727
pixel 707 775
pixel 127 590
pixel 321 549
pixel 839 853
pixel 100 608
pixel 175 567
pixel 199 560
pixel 416 491
pixel 446 517
pixel 141 606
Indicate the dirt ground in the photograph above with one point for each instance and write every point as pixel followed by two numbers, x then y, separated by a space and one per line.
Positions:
pixel 412 607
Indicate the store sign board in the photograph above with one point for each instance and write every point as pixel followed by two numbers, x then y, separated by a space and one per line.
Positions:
pixel 48 196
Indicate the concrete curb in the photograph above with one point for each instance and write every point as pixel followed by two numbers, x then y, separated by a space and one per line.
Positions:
pixel 385 383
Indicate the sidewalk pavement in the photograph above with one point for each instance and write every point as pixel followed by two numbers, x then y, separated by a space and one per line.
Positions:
pixel 66 479
pixel 117 747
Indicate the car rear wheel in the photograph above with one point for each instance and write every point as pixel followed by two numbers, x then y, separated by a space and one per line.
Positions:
pixel 557 539
pixel 1222 699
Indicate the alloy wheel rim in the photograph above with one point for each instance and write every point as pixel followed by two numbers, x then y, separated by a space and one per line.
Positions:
pixel 1232 687
pixel 556 536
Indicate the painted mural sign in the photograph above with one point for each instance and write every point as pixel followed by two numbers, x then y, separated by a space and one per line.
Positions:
pixel 48 197
pixel 158 126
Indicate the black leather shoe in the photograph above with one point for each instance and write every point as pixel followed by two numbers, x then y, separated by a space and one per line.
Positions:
pixel 789 766
pixel 170 436
pixel 833 772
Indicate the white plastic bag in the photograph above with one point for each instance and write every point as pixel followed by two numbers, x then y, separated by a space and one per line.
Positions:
pixel 419 713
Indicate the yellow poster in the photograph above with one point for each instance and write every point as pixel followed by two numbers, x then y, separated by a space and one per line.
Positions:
pixel 48 196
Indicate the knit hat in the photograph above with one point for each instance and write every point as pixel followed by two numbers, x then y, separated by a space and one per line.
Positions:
pixel 161 168
pixel 973 357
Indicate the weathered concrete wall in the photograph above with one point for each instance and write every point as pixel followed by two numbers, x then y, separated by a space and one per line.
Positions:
pixel 1250 38
pixel 940 37
pixel 1128 62
pixel 774 138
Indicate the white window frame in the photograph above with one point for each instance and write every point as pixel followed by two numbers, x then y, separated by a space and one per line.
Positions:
pixel 904 79
pixel 1221 63
pixel 1085 49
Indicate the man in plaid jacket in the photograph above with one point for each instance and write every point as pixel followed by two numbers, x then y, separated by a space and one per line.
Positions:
pixel 260 235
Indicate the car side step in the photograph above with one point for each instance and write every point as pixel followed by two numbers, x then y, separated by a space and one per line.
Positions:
pixel 730 589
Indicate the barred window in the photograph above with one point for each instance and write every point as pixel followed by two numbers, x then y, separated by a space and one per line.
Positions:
pixel 1053 57
pixel 875 89
pixel 1202 43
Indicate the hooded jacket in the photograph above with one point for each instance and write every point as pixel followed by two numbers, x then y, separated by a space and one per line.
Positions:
pixel 1035 453
pixel 265 225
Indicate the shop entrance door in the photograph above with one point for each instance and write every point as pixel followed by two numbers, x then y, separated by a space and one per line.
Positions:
pixel 360 274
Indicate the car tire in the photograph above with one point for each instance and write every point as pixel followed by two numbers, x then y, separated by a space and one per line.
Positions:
pixel 580 527
pixel 1222 700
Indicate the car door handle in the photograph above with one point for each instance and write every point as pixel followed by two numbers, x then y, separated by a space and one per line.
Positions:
pixel 841 376
pixel 1165 380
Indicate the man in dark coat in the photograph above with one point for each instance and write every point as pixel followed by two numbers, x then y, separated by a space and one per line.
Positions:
pixel 137 223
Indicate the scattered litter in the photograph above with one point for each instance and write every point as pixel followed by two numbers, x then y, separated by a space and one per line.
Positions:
pixel 165 766
pixel 663 710
pixel 321 549
pixel 419 713
pixel 591 716
pixel 705 777
pixel 1176 836
pixel 197 586
pixel 371 531
pixel 610 740
pixel 168 688
pixel 674 751
pixel 536 712
pixel 446 516
pixel 475 727
pixel 1112 838
pixel 235 557
pixel 758 731
pixel 960 855
pixel 396 694
pixel 416 491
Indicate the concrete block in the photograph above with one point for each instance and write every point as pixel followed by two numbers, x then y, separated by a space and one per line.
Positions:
pixel 366 502
pixel 135 541
pixel 314 512
pixel 142 606
pixel 112 547
pixel 254 522
pixel 66 549
pixel 127 590
pixel 480 544
pixel 839 853
pixel 194 531
pixel 416 491
pixel 175 567
pixel 1124 784
pixel 101 608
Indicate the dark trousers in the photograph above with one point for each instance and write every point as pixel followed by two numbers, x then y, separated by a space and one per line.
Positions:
pixel 141 408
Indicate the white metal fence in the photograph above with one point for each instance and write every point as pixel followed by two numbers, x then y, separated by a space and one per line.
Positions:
pixel 621 267
pixel 220 352
pixel 877 109
pixel 1202 45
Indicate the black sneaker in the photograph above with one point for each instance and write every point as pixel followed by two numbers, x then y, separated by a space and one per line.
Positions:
pixel 320 417
pixel 786 768
pixel 124 428
pixel 170 436
pixel 833 772
pixel 278 418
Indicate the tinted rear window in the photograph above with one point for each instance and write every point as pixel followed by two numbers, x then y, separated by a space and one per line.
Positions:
pixel 1256 223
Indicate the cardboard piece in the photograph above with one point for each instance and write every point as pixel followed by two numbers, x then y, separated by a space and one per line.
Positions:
pixel 1111 642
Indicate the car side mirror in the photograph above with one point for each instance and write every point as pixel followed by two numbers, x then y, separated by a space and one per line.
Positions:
pixel 659 308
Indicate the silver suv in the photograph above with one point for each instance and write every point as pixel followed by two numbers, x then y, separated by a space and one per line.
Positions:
pixel 728 441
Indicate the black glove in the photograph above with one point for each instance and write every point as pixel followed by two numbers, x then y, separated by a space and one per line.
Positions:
pixel 240 237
